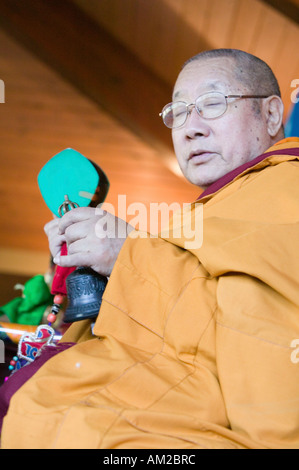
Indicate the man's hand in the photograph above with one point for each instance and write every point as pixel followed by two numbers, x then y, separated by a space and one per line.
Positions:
pixel 93 237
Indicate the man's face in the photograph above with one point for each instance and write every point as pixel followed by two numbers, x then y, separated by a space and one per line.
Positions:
pixel 208 149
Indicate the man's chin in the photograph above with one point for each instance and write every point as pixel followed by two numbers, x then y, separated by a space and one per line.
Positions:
pixel 202 176
pixel 203 182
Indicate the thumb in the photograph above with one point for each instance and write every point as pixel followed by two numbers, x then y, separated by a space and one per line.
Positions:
pixel 70 261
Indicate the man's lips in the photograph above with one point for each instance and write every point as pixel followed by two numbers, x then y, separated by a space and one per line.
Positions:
pixel 200 155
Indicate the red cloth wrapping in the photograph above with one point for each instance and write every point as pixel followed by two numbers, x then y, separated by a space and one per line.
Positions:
pixel 61 273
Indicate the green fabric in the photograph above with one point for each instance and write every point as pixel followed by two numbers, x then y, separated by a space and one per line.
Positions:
pixel 30 307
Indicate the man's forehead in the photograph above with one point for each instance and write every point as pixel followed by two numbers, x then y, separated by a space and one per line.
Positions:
pixel 210 85
pixel 208 75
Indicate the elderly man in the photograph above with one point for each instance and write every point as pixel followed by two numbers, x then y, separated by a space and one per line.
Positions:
pixel 193 348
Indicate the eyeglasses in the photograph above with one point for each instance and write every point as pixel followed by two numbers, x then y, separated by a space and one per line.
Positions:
pixel 209 106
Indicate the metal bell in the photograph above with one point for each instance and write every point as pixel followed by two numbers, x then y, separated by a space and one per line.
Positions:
pixel 85 289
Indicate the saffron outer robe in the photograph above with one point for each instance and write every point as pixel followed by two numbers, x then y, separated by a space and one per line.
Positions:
pixel 193 348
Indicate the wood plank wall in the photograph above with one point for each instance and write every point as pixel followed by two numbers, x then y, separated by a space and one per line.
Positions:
pixel 42 115
pixel 165 33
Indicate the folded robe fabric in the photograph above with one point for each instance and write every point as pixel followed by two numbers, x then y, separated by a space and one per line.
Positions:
pixel 193 345
pixel 17 379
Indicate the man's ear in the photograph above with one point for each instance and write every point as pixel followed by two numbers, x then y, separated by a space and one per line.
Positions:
pixel 273 108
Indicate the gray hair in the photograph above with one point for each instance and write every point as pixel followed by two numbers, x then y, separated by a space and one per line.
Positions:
pixel 249 70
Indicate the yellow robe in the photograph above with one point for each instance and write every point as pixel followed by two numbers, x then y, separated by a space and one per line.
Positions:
pixel 193 348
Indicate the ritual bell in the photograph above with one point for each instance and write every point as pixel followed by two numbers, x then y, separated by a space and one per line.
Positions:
pixel 85 289
pixel 67 181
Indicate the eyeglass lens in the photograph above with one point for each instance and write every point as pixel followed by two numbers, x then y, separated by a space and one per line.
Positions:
pixel 209 106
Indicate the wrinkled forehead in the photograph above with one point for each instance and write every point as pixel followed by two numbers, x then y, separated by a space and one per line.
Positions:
pixel 204 75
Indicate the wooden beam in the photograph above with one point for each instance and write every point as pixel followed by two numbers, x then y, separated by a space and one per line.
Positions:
pixel 64 37
pixel 289 8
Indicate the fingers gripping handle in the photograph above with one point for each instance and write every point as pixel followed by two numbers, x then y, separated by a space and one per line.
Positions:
pixel 77 181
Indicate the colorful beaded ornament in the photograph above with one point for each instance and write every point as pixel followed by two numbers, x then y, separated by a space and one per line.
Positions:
pixel 30 347
pixel 31 344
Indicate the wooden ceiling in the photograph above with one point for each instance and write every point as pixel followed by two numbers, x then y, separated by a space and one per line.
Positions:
pixel 93 75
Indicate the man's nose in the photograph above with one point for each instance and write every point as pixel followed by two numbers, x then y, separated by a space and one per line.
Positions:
pixel 195 125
